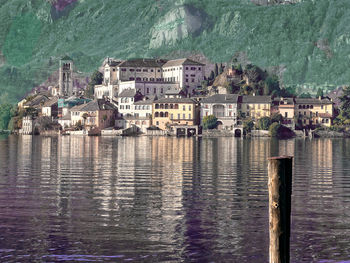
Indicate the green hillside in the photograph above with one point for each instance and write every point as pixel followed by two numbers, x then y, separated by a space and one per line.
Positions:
pixel 307 43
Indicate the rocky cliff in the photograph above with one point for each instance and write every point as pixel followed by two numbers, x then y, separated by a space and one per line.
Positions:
pixel 307 43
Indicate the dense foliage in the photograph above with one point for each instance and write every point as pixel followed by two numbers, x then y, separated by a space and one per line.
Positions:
pixel 305 42
pixel 210 122
pixel 5 115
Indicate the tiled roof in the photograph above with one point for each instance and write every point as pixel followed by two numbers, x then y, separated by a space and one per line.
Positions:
pixel 143 63
pixel 312 101
pixel 221 98
pixel 94 105
pixel 181 61
pixel 51 102
pixel 127 93
pixel 148 100
pixel 175 100
pixel 256 99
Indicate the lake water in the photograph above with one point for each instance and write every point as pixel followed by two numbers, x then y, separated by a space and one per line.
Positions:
pixel 166 199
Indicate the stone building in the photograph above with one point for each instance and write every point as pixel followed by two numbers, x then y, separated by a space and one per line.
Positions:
pixel 66 77
pixel 224 107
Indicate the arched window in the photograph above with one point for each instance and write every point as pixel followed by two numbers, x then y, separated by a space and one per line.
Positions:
pixel 171 106
pixel 176 106
pixel 161 114
pixel 166 106
pixel 166 114
pixel 304 107
pixel 162 106
pixel 307 106
pixel 156 114
pixel 299 106
pixel 157 106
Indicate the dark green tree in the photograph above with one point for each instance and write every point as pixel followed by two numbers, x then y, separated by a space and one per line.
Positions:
pixel 210 122
pixel 221 69
pixel 216 70
pixel 95 79
pixel 5 115
pixel 344 115
pixel 264 123
pixel 319 93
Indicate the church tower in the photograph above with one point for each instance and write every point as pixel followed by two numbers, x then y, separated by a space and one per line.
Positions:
pixel 66 77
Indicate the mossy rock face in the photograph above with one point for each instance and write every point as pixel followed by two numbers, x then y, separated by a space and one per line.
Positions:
pixel 306 44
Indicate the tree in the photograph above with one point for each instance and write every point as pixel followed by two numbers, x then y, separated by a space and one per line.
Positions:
pixel 221 69
pixel 319 93
pixel 210 122
pixel 276 117
pixel 95 79
pixel 264 123
pixel 248 125
pixel 216 70
pixel 344 116
pixel 305 95
pixel 5 115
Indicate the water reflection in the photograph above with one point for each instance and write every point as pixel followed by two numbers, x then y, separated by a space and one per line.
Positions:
pixel 167 199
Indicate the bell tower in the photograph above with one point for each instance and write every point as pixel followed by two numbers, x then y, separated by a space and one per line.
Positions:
pixel 66 77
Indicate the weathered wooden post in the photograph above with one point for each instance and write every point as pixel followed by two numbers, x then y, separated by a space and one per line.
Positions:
pixel 280 191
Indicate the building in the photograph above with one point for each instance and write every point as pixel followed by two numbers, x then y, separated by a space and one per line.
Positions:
pixel 224 107
pixel 126 101
pixel 174 111
pixel 188 73
pixel 256 107
pixel 27 125
pixel 148 88
pixel 286 108
pixel 50 108
pixel 65 83
pixel 64 105
pixel 314 111
pixel 150 76
pixel 96 114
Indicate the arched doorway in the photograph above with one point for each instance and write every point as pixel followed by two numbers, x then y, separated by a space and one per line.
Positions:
pixel 219 125
pixel 238 133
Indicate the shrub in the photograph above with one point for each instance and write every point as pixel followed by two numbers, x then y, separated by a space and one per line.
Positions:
pixel 280 131
pixel 248 125
pixel 210 122
pixel 264 123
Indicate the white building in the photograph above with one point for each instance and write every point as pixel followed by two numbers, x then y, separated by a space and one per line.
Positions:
pixel 188 73
pixel 150 76
pixel 224 107
pixel 27 125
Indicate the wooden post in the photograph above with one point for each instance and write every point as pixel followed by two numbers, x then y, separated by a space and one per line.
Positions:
pixel 280 191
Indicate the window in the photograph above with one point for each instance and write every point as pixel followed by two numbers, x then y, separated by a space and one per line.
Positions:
pixel 147 90
pixel 131 78
pixel 186 80
pixel 154 90
pixel 327 120
pixel 172 116
pixel 189 107
pixel 186 68
pixel 304 112
pixel 183 107
pixel 199 69
pixel 286 114
pixel 176 106
pixel 161 90
pixel 151 79
pixel 192 80
pixel 138 70
pixel 123 69
pixel 145 70
pixel 230 106
pixel 178 116
pixel 114 70
pixel 138 79
pixel 322 107
pixel 158 70
pixel 184 116
pixel 316 113
pixel 151 70
pixel 189 116
pixel 131 70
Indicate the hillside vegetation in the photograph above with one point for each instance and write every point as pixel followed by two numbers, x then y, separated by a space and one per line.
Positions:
pixel 306 44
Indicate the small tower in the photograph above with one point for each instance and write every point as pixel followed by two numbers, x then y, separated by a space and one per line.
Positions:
pixel 66 77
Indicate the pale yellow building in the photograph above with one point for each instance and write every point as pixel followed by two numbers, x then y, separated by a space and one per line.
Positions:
pixel 256 107
pixel 174 111
pixel 314 112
